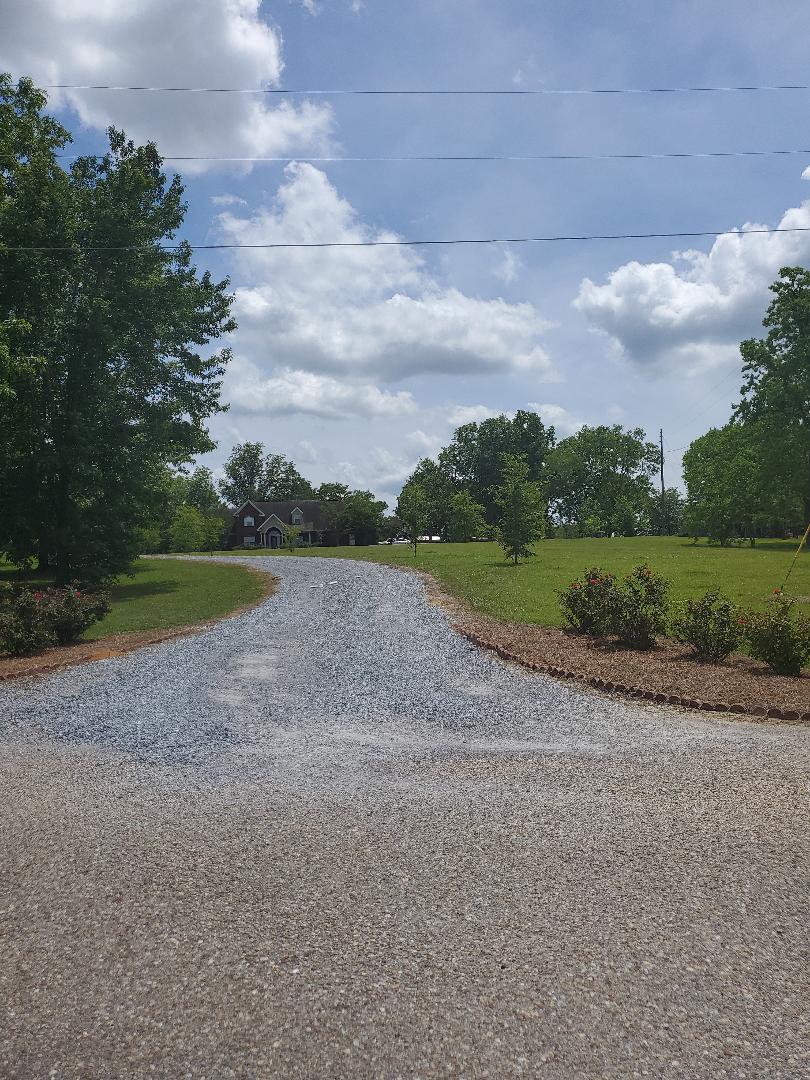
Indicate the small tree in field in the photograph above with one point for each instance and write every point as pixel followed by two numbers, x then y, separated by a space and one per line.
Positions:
pixel 522 508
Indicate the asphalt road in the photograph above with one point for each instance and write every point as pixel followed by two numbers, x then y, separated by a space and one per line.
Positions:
pixel 329 838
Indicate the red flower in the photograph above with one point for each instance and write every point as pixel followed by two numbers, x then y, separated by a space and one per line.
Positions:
pixel 37 595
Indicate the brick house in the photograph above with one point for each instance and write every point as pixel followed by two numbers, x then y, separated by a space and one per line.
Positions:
pixel 261 524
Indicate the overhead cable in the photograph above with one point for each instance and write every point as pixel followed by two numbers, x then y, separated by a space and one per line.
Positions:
pixel 403 92
pixel 282 245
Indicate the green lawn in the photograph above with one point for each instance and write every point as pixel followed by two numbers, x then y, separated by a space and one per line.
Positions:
pixel 528 593
pixel 167 592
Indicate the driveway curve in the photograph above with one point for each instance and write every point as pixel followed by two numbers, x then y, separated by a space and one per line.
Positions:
pixel 331 838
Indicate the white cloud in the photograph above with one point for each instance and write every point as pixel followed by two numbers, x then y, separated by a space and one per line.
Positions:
pixel 564 422
pixel 228 200
pixel 307 452
pixel 430 444
pixel 469 414
pixel 372 311
pixel 694 314
pixel 202 43
pixel 508 270
pixel 286 391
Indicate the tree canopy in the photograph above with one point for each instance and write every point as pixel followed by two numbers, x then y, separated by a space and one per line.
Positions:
pixel 252 474
pixel 106 377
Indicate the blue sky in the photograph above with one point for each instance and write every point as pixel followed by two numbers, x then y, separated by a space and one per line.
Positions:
pixel 358 363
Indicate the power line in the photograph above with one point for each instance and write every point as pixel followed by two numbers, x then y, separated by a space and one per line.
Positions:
pixel 470 157
pixel 514 92
pixel 695 415
pixel 422 243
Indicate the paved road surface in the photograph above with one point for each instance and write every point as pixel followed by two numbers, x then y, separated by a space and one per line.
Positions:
pixel 329 838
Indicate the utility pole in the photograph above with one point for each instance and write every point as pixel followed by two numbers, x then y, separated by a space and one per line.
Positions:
pixel 663 496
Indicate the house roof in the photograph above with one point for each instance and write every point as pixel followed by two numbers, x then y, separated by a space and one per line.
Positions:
pixel 310 508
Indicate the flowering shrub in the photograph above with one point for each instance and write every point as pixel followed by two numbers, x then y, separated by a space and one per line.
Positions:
pixel 638 608
pixel 586 604
pixel 710 625
pixel 24 625
pixel 71 611
pixel 33 619
pixel 774 636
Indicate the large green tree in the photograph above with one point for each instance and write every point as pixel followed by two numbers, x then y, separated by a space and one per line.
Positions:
pixel 252 474
pixel 354 514
pixel 600 481
pixel 437 486
pixel 776 387
pixel 474 459
pixel 105 327
pixel 728 492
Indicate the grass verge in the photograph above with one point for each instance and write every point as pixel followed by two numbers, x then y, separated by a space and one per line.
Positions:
pixel 166 593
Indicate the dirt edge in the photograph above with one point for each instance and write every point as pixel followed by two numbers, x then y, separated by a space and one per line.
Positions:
pixel 85 652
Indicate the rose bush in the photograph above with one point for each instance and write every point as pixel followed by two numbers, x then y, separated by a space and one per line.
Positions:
pixel 586 603
pixel 639 608
pixel 711 625
pixel 34 619
pixel 776 637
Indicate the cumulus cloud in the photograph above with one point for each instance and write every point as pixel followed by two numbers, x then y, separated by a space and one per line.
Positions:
pixel 430 444
pixel 372 311
pixel 469 414
pixel 223 43
pixel 564 422
pixel 694 311
pixel 285 391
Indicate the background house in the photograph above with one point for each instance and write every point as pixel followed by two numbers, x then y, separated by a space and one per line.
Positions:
pixel 262 524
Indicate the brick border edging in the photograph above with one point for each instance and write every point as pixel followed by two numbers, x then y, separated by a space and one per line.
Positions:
pixel 760 712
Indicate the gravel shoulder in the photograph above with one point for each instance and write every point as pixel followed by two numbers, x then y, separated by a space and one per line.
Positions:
pixel 331 838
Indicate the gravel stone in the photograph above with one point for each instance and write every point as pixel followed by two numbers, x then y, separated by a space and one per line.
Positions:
pixel 332 838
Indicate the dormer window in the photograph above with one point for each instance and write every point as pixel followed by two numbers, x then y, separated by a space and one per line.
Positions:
pixel 297 517
pixel 248 522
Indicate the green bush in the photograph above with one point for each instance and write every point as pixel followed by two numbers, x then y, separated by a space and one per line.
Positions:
pixel 774 636
pixel 638 608
pixel 34 619
pixel 710 625
pixel 587 603
pixel 25 628
pixel 71 611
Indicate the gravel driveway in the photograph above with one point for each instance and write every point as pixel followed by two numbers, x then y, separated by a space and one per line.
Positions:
pixel 329 838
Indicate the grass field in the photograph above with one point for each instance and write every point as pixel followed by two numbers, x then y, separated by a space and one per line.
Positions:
pixel 528 592
pixel 167 592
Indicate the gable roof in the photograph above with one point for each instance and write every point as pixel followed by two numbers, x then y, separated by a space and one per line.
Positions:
pixel 312 510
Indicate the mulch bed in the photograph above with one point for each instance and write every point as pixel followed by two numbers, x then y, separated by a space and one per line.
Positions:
pixel 82 652
pixel 666 674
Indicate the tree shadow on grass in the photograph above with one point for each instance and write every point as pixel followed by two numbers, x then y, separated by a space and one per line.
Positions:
pixel 137 589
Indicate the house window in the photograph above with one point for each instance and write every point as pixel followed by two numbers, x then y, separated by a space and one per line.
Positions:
pixel 248 521
pixel 250 541
pixel 297 517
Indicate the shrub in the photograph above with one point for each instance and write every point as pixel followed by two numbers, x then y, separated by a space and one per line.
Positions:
pixel 638 608
pixel 33 619
pixel 586 604
pixel 71 611
pixel 774 636
pixel 710 625
pixel 24 625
